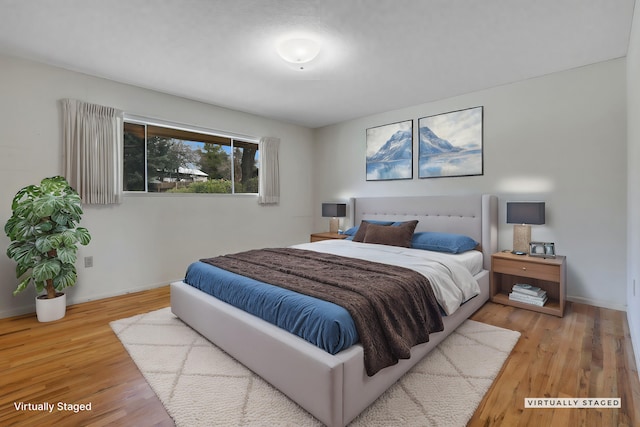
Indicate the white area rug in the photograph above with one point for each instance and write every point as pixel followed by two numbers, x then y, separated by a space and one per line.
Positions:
pixel 200 385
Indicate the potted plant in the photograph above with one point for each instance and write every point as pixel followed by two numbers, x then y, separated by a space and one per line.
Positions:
pixel 44 237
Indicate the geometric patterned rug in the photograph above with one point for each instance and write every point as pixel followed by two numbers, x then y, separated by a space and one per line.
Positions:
pixel 201 385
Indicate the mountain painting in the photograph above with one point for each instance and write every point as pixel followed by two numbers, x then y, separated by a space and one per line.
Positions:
pixel 451 144
pixel 390 151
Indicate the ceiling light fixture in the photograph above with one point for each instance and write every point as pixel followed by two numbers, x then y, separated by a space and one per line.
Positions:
pixel 299 51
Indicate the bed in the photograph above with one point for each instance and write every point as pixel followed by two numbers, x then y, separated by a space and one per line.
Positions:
pixel 335 388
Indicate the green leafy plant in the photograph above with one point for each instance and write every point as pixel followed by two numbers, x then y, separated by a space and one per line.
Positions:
pixel 45 236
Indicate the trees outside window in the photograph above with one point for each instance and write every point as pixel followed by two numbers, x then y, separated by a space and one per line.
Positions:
pixel 164 159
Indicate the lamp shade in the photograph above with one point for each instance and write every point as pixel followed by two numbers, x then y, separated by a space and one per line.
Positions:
pixel 334 210
pixel 525 213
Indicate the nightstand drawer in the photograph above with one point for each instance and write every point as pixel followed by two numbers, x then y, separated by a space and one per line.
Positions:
pixel 527 269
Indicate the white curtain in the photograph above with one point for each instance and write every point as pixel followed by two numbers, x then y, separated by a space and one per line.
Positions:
pixel 269 188
pixel 92 151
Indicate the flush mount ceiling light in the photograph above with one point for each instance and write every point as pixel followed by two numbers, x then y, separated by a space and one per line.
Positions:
pixel 298 51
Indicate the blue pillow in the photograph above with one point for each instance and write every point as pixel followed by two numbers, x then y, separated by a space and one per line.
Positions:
pixel 443 242
pixel 351 231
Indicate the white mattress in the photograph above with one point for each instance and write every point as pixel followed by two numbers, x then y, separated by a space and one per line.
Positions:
pixel 451 275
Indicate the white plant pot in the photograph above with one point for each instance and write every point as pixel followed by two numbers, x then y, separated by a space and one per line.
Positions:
pixel 49 310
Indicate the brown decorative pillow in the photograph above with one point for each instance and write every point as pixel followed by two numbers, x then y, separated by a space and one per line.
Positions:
pixel 391 235
pixel 362 231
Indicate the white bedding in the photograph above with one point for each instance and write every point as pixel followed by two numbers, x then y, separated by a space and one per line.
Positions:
pixel 449 274
pixel 472 260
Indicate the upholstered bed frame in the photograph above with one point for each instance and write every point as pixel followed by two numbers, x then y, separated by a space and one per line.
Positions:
pixel 336 388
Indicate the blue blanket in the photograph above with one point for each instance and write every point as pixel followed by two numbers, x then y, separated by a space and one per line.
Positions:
pixel 322 323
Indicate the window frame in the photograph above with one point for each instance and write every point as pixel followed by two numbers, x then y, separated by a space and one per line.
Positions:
pixel 233 137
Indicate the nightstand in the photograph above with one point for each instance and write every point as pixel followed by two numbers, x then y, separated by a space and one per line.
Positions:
pixel 316 237
pixel 549 274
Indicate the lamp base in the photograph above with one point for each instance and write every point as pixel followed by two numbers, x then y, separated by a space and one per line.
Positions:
pixel 334 225
pixel 521 238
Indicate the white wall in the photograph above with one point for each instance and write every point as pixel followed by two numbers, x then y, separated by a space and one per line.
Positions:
pixel 633 180
pixel 148 240
pixel 560 139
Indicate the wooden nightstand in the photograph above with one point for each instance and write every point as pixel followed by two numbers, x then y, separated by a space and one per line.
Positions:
pixel 549 274
pixel 315 237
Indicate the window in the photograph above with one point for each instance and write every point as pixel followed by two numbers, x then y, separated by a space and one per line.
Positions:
pixel 161 159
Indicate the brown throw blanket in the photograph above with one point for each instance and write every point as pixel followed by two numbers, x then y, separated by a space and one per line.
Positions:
pixel 393 308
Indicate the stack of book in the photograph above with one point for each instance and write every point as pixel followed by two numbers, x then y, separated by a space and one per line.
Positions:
pixel 528 294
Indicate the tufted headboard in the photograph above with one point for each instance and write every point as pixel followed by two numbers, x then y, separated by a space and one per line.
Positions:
pixel 473 215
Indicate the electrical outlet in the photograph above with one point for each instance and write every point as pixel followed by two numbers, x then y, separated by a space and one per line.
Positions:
pixel 88 261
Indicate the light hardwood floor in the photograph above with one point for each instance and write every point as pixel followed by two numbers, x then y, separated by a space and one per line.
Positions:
pixel 78 359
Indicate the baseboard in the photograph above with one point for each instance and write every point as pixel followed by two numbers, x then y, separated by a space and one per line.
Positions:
pixel 116 294
pixel 31 308
pixel 18 311
pixel 635 340
pixel 598 303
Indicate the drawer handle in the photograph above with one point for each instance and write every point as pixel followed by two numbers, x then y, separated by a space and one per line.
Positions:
pixel 524 268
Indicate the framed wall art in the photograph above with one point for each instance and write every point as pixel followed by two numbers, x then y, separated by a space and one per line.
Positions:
pixel 390 151
pixel 450 144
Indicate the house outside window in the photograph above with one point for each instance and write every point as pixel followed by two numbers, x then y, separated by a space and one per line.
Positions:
pixel 164 159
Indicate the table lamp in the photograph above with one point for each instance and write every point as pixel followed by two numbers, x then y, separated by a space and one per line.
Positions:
pixel 523 215
pixel 334 211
